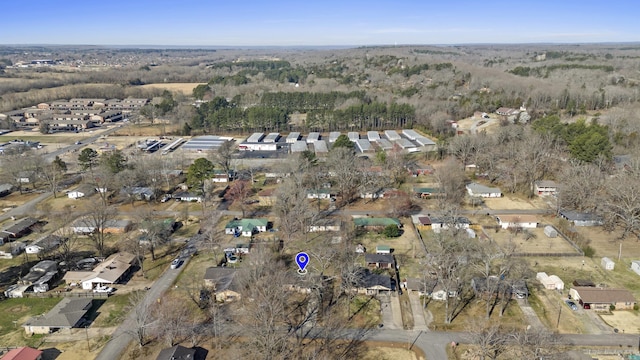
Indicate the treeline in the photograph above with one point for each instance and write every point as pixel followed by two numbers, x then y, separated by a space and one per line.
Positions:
pixel 585 142
pixel 544 71
pixel 306 101
pixel 277 70
pixel 375 116
pixel 275 108
pixel 407 71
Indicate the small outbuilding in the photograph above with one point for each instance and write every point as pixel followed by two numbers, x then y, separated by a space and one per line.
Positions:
pixel 635 266
pixel 550 231
pixel 607 263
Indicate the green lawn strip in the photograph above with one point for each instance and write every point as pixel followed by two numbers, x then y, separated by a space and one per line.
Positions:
pixel 21 309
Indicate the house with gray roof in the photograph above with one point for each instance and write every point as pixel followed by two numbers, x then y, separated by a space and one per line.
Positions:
pixel 177 352
pixel 222 281
pixel 581 218
pixel 479 190
pixel 67 314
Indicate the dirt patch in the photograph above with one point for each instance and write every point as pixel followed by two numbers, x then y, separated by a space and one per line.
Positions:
pixel 185 88
pixel 513 203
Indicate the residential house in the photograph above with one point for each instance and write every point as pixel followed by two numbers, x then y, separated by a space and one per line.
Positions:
pixel 18 229
pixel 597 298
pixel 635 266
pixel 444 223
pixel 67 314
pixel 84 225
pixel 423 287
pixel 550 282
pixel 267 197
pixel 246 227
pixel 140 193
pixel 506 111
pixel 581 218
pixel 23 353
pixel 177 352
pixel 380 261
pixel 517 221
pixel 324 225
pixel 302 284
pixel 114 226
pixel 81 191
pixel 322 194
pixel 223 283
pixel 39 270
pixel 376 224
pixel 114 269
pixel 427 192
pixel 489 287
pixel 545 187
pixel 187 196
pixel 479 190
pixel 44 244
pixel 369 283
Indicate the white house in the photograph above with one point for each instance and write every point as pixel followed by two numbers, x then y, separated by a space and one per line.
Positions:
pixel 545 187
pixel 607 263
pixel 635 266
pixel 517 221
pixel 81 191
pixel 479 190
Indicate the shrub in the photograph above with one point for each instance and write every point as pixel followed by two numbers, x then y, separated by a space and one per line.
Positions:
pixel 391 231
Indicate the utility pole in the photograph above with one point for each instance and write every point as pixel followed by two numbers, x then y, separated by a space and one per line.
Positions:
pixel 86 328
pixel 559 313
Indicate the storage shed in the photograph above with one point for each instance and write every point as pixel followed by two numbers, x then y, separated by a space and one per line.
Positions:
pixel 635 266
pixel 607 263
pixel 550 231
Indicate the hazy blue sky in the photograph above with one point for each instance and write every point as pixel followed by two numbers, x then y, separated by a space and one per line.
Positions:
pixel 310 22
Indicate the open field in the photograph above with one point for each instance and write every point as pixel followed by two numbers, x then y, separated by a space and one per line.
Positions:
pixel 608 243
pixel 185 88
pixel 515 203
pixel 538 244
pixel 476 309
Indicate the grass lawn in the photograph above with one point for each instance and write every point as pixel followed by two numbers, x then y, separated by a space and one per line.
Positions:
pixel 475 310
pixel 15 312
pixel 365 311
pixel 112 311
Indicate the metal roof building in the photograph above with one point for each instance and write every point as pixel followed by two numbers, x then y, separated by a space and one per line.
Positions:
pixel 424 141
pixel 405 144
pixel 255 137
pixel 373 136
pixel 298 146
pixel 363 145
pixel 353 136
pixel 411 134
pixel 204 143
pixel 392 135
pixel 313 137
pixel 333 136
pixel 320 146
pixel 271 138
pixel 293 137
pixel 385 144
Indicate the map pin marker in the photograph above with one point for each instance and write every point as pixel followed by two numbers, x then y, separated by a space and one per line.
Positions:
pixel 302 259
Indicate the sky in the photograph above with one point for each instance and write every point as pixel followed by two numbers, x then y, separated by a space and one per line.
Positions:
pixel 316 23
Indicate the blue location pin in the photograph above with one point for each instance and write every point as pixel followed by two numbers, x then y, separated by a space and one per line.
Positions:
pixel 302 259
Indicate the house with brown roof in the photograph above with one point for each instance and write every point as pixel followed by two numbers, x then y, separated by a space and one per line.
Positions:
pixel 267 197
pixel 598 298
pixel 112 270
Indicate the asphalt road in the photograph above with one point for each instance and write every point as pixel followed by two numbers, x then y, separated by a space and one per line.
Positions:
pixel 121 338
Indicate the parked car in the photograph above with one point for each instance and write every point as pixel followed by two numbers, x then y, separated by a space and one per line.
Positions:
pixel 176 263
pixel 572 305
pixel 165 198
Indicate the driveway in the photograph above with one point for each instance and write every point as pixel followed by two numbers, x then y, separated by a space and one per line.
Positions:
pixel 419 320
pixel 390 308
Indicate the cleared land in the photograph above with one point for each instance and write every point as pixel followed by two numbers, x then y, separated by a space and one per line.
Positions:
pixel 186 88
pixel 539 243
pixel 514 203
pixel 625 321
